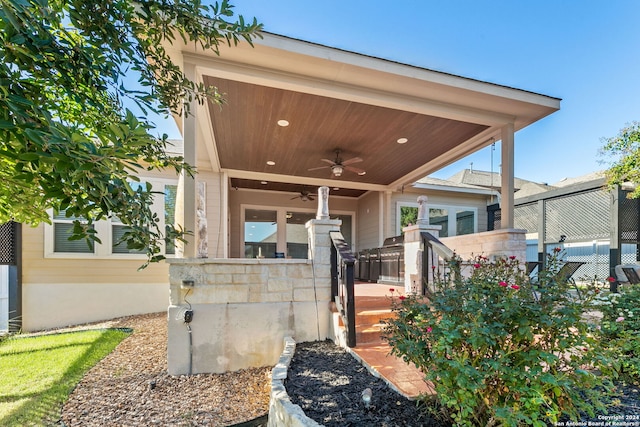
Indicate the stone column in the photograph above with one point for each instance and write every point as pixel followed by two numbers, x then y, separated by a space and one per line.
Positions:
pixel 319 239
pixel 413 249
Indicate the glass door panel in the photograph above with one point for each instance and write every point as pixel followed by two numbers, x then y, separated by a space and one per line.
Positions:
pixel 260 233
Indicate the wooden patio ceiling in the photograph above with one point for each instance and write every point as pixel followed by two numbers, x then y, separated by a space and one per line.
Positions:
pixel 247 136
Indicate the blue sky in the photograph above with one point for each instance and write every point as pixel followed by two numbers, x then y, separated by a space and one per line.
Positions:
pixel 585 52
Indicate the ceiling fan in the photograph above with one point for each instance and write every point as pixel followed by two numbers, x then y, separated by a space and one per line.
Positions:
pixel 305 195
pixel 338 166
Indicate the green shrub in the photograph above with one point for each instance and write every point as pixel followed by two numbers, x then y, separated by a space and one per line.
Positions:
pixel 620 328
pixel 501 349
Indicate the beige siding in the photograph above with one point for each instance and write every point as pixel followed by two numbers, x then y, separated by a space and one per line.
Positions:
pixel 59 292
pixel 368 219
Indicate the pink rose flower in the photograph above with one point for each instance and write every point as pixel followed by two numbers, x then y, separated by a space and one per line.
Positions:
pixel 402 297
pixel 429 329
pixel 503 284
pixel 515 287
pixel 476 265
pixel 620 319
pixel 512 257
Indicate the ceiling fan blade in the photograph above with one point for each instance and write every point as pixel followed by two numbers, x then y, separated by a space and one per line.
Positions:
pixel 293 198
pixel 355 170
pixel 319 167
pixel 351 161
pixel 331 162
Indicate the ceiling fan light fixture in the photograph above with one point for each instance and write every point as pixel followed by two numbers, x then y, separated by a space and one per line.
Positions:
pixel 337 170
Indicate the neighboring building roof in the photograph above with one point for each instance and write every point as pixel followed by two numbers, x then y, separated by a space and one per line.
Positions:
pixel 446 185
pixel 593 176
pixel 531 188
pixel 485 179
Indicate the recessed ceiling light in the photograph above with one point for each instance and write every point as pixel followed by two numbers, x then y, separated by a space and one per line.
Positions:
pixel 271 162
pixel 263 182
pixel 283 123
pixel 362 173
pixel 402 140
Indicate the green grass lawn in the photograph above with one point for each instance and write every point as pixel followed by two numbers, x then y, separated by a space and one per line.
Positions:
pixel 38 373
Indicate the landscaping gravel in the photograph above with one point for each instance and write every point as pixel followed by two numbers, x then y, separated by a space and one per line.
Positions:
pixel 131 387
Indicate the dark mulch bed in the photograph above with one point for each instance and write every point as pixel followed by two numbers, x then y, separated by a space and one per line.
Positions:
pixel 327 383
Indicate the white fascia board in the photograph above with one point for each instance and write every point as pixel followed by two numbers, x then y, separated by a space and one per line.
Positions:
pixel 405 70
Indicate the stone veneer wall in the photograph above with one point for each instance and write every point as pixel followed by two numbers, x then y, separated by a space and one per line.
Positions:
pixel 242 310
pixel 497 243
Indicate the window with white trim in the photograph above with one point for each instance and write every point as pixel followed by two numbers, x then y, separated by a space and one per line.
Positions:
pixel 109 231
pixel 454 220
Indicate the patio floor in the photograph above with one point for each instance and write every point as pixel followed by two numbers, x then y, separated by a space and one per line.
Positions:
pixel 372 304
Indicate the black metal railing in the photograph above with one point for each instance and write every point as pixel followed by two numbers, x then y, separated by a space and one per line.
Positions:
pixel 342 281
pixel 432 251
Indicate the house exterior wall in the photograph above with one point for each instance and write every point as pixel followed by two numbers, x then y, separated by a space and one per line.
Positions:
pixel 239 198
pixel 368 220
pixel 467 200
pixel 58 292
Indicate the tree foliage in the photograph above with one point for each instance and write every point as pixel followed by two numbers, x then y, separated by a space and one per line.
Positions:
pixel 67 140
pixel 624 148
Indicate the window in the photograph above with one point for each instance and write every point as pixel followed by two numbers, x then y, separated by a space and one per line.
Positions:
pixel 58 245
pixel 62 229
pixel 297 235
pixel 260 233
pixel 454 220
pixel 273 232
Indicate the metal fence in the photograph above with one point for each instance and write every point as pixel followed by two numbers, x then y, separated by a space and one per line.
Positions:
pixel 590 223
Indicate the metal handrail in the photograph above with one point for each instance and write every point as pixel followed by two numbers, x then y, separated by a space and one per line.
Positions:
pixel 431 245
pixel 342 283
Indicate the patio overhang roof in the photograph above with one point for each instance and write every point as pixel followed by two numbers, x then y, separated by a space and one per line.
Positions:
pixel 333 99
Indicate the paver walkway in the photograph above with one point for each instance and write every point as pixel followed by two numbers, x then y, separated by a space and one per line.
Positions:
pixel 375 353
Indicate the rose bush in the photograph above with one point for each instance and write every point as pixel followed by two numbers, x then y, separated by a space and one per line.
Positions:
pixel 620 328
pixel 500 348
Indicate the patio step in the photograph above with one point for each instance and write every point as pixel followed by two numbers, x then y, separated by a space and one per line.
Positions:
pixel 370 313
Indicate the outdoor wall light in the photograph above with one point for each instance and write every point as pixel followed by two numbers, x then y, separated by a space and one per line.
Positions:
pixel 188 283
